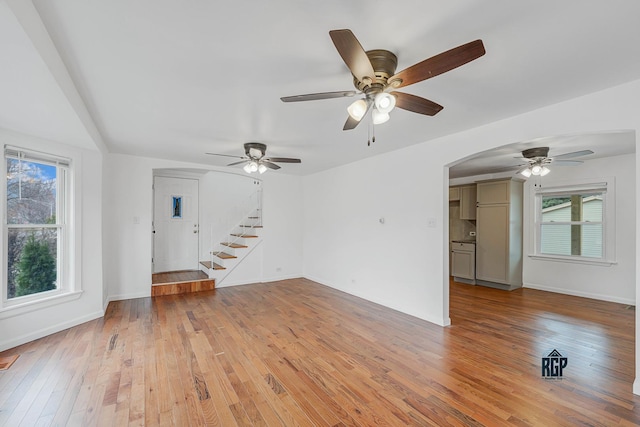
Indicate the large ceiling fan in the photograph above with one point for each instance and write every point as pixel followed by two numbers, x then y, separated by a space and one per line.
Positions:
pixel 538 159
pixel 374 76
pixel 255 158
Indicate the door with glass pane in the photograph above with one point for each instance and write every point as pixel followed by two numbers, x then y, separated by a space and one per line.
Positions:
pixel 175 224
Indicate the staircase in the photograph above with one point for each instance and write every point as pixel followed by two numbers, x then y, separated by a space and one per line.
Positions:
pixel 228 251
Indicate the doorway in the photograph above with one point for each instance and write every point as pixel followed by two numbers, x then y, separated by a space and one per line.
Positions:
pixel 176 227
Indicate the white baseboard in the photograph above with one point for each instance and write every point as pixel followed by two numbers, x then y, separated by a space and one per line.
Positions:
pixel 636 386
pixel 122 297
pixel 602 297
pixel 40 333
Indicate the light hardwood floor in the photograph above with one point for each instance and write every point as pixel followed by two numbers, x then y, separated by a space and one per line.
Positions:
pixel 296 353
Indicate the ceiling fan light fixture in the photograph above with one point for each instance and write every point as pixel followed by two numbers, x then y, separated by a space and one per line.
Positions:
pixel 357 109
pixel 262 168
pixel 379 117
pixel 251 167
pixel 526 172
pixel 536 170
pixel 385 102
pixel 545 170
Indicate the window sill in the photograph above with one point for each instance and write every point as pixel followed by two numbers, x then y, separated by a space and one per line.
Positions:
pixel 38 304
pixel 574 260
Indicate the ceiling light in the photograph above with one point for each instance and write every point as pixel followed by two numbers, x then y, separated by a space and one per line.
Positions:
pixel 385 102
pixel 537 168
pixel 357 109
pixel 526 172
pixel 379 117
pixel 262 168
pixel 251 167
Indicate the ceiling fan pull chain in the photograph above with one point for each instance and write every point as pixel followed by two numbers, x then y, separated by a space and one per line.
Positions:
pixel 368 136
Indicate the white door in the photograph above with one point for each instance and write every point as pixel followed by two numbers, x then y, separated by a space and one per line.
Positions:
pixel 175 224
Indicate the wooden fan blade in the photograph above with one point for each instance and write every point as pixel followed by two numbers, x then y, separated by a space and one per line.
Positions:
pixel 270 165
pixel 436 65
pixel 225 155
pixel 282 160
pixel 317 96
pixel 353 54
pixel 573 154
pixel 238 163
pixel 416 104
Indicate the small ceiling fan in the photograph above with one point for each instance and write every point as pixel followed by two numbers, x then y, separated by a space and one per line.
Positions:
pixel 374 75
pixel 255 158
pixel 538 159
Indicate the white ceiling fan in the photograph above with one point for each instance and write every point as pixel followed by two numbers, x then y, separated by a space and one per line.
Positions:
pixel 538 160
pixel 255 158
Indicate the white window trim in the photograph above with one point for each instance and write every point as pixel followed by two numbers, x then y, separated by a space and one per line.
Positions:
pixel 71 288
pixel 609 220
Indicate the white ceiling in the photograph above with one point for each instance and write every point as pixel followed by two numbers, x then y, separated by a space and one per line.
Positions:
pixel 175 79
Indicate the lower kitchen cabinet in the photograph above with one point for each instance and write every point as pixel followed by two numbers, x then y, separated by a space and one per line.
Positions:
pixel 463 262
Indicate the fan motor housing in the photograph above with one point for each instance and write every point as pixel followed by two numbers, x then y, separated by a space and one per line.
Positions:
pixel 533 153
pixel 256 146
pixel 384 65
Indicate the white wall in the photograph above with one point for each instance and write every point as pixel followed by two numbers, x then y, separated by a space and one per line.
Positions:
pixel 128 195
pixel 611 283
pixel 22 328
pixel 398 263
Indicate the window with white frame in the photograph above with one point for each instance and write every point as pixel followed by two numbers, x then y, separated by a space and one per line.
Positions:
pixel 576 222
pixel 36 227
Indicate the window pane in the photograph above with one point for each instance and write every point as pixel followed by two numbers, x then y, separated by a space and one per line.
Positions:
pixel 578 207
pixel 555 239
pixel 32 261
pixel 567 240
pixel 591 240
pixel 31 192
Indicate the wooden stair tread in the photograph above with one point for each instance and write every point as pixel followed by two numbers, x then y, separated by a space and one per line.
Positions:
pixel 223 255
pixel 246 236
pixel 212 265
pixel 234 245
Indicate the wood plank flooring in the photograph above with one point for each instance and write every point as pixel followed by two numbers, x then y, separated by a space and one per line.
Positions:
pixel 296 353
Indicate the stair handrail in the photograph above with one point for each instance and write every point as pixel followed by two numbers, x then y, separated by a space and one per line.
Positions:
pixel 254 206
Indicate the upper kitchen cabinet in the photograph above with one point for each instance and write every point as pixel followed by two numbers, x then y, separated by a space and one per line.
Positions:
pixel 466 195
pixel 492 192
pixel 499 234
pixel 468 202
pixel 454 194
